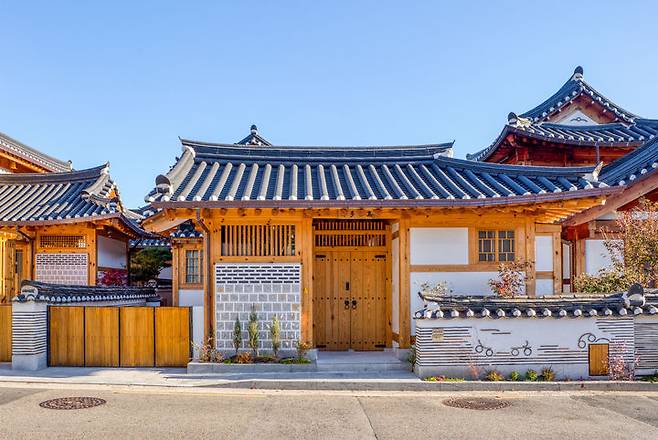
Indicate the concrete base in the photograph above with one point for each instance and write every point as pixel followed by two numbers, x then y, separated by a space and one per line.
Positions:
pixel 360 361
pixel 31 362
pixel 401 353
pixel 212 368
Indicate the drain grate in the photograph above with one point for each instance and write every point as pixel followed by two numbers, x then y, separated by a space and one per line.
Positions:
pixel 477 403
pixel 72 403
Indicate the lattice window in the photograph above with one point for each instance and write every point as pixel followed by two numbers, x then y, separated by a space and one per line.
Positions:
pixel 350 233
pixel 63 241
pixel 193 273
pixel 496 246
pixel 258 240
pixel 506 246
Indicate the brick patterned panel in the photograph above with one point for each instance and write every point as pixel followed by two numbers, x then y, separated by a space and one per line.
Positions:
pixel 62 268
pixel 273 289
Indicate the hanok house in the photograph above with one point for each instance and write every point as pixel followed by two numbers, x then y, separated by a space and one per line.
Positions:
pixel 337 240
pixel 63 227
pixel 578 126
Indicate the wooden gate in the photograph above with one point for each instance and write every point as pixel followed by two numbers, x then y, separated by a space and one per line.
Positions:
pixel 119 336
pixel 5 332
pixel 351 299
pixel 598 359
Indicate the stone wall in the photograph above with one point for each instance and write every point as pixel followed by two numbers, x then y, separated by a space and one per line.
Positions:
pixel 271 288
pixel 71 269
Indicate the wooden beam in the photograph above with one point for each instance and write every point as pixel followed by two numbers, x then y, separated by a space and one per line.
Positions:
pixel 530 258
pixel 404 308
pixel 628 194
pixel 306 241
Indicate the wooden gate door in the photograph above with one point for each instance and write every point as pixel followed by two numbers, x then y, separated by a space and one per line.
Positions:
pixel 350 300
pixel 66 332
pixel 101 336
pixel 5 332
pixel 172 336
pixel 137 336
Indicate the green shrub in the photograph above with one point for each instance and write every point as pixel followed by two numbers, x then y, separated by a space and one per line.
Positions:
pixel 237 335
pixel 605 281
pixel 493 376
pixel 252 329
pixel 531 375
pixel 515 376
pixel 275 335
pixel 547 374
pixel 302 349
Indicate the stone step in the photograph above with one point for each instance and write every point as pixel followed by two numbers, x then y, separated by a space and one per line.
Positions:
pixel 359 361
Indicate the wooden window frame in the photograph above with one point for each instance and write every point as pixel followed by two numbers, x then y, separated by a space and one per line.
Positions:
pixel 182 265
pixel 496 245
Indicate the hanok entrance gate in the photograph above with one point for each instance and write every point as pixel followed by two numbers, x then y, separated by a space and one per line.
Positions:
pixel 351 304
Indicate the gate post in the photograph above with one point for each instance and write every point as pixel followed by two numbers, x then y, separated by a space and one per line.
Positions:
pixel 29 324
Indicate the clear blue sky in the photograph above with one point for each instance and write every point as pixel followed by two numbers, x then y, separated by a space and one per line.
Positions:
pixel 120 81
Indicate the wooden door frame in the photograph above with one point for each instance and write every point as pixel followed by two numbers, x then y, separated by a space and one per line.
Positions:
pixel 388 274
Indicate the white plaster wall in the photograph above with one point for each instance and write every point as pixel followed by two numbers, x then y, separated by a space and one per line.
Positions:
pixel 566 267
pixel 553 342
pixel 438 245
pixel 197 329
pixel 461 283
pixel 544 253
pixel 544 287
pixel 597 256
pixel 190 297
pixel 395 288
pixel 112 253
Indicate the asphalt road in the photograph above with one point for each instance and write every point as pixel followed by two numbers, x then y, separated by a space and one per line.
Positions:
pixel 246 414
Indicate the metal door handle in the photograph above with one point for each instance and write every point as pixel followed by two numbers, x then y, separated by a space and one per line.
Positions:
pixel 347 304
pixel 353 304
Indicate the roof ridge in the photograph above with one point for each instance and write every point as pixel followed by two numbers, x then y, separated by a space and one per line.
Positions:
pixel 28 178
pixel 60 165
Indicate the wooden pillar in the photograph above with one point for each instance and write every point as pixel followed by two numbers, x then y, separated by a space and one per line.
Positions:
pixel 175 273
pixel 404 309
pixel 530 279
pixel 557 263
pixel 92 255
pixel 306 240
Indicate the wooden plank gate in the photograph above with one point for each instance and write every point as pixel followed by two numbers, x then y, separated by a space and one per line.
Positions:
pixel 350 285
pixel 598 359
pixel 5 332
pixel 119 336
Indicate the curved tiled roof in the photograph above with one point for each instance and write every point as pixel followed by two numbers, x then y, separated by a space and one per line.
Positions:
pixel 574 87
pixel 627 130
pixel 227 174
pixel 627 169
pixel 12 146
pixel 451 307
pixel 44 198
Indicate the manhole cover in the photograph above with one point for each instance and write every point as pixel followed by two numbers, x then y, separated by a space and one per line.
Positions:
pixel 72 403
pixel 481 404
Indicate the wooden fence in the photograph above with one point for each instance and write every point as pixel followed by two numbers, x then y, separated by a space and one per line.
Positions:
pixel 5 332
pixel 119 336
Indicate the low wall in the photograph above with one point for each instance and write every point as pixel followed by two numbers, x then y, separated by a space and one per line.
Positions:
pixel 461 346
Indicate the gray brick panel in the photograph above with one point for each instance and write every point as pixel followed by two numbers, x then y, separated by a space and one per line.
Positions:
pixel 274 289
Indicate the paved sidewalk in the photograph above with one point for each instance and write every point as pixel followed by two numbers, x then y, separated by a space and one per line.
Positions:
pixel 321 380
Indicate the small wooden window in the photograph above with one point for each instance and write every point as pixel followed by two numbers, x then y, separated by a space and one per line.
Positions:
pixel 193 273
pixel 62 241
pixel 496 246
pixel 258 240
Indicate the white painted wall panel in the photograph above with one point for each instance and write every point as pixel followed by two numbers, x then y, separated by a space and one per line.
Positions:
pixel 111 253
pixel 597 256
pixel 190 297
pixel 544 287
pixel 461 283
pixel 439 245
pixel 395 288
pixel 544 253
